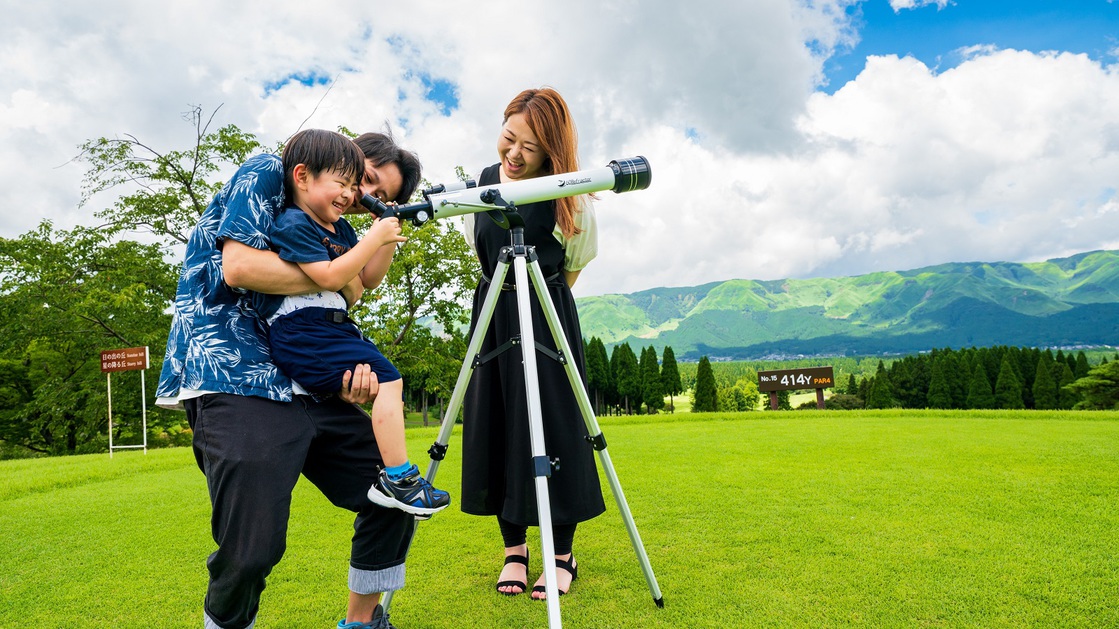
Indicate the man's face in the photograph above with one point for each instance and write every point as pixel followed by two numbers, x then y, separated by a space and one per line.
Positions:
pixel 383 182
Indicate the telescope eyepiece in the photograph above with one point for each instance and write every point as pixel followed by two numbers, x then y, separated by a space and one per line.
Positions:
pixel 374 205
pixel 631 174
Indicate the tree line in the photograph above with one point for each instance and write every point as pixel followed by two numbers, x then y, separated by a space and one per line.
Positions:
pixel 997 377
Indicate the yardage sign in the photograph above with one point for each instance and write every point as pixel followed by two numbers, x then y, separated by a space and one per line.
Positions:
pixel 127 359
pixel 787 379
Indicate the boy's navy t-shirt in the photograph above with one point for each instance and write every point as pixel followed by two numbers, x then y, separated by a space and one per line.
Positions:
pixel 297 238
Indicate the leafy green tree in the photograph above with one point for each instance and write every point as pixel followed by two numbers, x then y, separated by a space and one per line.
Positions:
pixel 741 396
pixel 66 297
pixel 705 396
pixel 625 371
pixel 670 376
pixel 1008 388
pixel 1045 388
pixel 166 191
pixel 1099 390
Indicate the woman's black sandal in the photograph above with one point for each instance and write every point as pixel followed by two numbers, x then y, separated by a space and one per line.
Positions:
pixel 566 565
pixel 521 559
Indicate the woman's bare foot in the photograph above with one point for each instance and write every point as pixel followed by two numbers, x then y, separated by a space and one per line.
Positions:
pixel 564 577
pixel 514 576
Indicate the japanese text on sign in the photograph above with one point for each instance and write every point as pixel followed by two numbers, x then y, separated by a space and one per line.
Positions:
pixel 787 379
pixel 127 359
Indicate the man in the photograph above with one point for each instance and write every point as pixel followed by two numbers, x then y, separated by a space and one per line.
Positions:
pixel 254 435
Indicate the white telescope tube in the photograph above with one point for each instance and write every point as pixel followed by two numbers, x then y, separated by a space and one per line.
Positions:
pixel 620 176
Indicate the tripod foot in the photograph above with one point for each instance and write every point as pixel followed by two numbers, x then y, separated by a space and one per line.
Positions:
pixel 659 602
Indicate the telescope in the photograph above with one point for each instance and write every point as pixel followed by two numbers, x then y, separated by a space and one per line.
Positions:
pixel 499 200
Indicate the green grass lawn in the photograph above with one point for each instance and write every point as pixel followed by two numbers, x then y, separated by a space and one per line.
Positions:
pixel 775 519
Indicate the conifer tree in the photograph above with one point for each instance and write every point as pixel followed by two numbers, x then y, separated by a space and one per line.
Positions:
pixel 598 372
pixel 940 392
pixel 979 393
pixel 959 378
pixel 1082 368
pixel 881 393
pixel 1044 389
pixel 627 380
pixel 705 396
pixel 670 376
pixel 1066 397
pixel 651 391
pixel 852 386
pixel 1008 388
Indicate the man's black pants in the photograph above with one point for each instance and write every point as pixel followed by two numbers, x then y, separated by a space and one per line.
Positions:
pixel 252 451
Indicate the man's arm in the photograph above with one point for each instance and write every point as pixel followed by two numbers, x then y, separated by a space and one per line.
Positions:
pixel 262 271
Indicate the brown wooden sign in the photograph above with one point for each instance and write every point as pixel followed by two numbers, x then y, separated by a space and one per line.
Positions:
pixel 788 379
pixel 127 359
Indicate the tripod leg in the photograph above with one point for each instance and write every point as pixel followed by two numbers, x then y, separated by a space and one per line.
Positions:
pixel 439 448
pixel 598 441
pixel 542 464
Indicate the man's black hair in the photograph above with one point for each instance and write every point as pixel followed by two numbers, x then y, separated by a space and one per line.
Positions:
pixel 381 149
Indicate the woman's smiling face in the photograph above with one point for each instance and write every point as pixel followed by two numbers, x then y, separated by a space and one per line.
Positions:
pixel 521 155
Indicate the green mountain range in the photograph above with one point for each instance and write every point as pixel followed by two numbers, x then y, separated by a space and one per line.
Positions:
pixel 1057 303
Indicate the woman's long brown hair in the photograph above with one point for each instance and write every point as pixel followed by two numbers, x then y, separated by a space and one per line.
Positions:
pixel 547 115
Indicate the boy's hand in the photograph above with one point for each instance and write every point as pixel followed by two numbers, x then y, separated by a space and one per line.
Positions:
pixel 386 230
pixel 359 386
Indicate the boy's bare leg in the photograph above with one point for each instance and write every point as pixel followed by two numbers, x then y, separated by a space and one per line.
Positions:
pixel 388 423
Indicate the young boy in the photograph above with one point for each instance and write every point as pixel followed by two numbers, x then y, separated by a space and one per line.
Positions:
pixel 312 339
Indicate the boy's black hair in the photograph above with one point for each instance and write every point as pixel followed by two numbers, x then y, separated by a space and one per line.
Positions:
pixel 320 150
pixel 381 149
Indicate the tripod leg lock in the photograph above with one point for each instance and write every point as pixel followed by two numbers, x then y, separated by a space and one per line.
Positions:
pixel 437 451
pixel 598 442
pixel 543 466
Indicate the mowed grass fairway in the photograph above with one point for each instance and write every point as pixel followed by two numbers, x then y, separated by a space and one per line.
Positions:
pixel 774 519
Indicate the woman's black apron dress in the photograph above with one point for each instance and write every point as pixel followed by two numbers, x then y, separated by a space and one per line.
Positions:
pixel 497 470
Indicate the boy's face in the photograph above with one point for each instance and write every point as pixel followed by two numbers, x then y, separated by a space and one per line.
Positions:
pixel 325 196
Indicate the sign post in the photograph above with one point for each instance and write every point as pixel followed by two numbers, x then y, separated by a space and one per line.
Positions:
pixel 818 378
pixel 127 359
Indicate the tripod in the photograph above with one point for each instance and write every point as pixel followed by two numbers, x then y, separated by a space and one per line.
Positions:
pixel 524 261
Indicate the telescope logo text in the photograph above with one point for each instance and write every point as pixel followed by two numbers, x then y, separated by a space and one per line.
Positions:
pixel 573 182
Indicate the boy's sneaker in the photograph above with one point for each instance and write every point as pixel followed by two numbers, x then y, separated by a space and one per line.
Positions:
pixel 411 494
pixel 380 621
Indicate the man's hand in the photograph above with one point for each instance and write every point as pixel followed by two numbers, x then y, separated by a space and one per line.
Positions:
pixel 359 386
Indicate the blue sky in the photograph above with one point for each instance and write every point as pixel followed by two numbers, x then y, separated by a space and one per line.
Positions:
pixel 935 34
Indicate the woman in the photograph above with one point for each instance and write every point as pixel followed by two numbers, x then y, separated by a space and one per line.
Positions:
pixel 537 138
